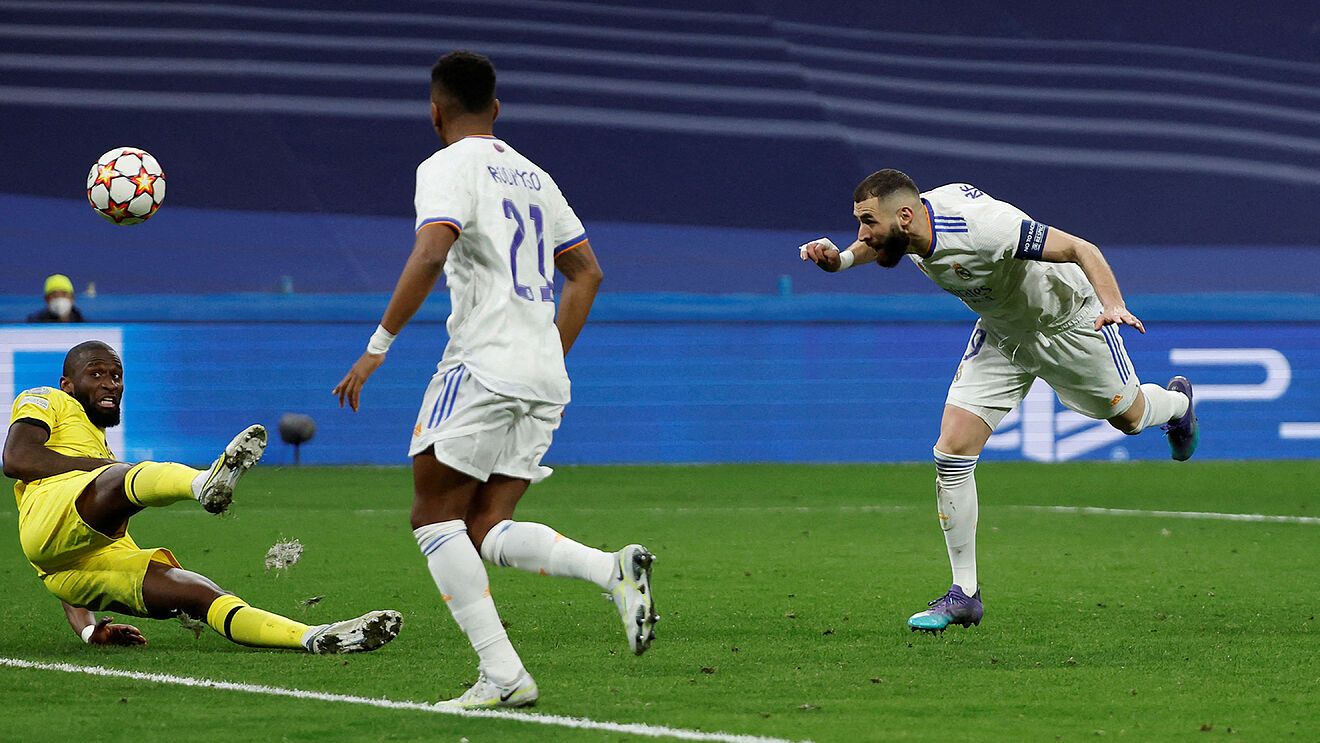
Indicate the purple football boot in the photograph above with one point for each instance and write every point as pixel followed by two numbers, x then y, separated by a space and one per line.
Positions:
pixel 1184 433
pixel 954 607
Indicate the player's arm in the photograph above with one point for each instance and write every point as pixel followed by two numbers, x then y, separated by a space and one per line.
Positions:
pixel 102 632
pixel 582 277
pixel 418 278
pixel 823 253
pixel 27 458
pixel 1060 247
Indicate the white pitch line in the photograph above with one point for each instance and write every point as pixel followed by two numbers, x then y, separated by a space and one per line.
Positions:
pixel 1201 515
pixel 581 723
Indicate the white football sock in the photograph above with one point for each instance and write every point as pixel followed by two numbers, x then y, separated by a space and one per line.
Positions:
pixel 198 482
pixel 537 548
pixel 955 493
pixel 1162 406
pixel 461 578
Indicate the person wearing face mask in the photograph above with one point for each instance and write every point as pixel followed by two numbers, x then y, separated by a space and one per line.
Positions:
pixel 59 302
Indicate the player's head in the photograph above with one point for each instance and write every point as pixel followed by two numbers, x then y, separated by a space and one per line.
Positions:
pixel 462 95
pixel 885 204
pixel 94 376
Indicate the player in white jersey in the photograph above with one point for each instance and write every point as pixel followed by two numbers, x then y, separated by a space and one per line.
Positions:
pixel 499 227
pixel 1049 307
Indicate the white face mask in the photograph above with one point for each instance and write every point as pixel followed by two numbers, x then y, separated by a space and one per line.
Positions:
pixel 60 306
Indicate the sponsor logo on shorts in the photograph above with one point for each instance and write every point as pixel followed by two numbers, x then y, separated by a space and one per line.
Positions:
pixel 1114 402
pixel 958 374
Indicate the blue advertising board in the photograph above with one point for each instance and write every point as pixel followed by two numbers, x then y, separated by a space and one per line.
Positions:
pixel 681 391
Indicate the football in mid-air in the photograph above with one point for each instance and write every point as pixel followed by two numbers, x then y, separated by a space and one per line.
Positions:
pixel 126 185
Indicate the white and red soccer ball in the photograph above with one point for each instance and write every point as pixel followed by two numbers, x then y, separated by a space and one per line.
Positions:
pixel 126 185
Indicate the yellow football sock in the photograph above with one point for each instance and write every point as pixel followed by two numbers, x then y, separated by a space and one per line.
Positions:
pixel 232 617
pixel 159 483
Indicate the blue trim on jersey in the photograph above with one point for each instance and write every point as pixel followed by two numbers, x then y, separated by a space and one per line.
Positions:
pixel 930 212
pixel 446 220
pixel 565 245
pixel 950 229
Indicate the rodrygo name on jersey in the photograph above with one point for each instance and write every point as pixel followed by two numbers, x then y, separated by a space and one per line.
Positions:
pixel 512 221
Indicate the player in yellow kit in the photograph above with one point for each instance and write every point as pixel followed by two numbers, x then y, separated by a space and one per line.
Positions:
pixel 75 501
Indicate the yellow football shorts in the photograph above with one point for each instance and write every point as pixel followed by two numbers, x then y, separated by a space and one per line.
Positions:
pixel 76 562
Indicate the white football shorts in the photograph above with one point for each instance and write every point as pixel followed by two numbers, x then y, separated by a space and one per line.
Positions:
pixel 1089 369
pixel 481 433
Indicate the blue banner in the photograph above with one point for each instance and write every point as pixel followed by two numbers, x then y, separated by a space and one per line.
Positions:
pixel 680 391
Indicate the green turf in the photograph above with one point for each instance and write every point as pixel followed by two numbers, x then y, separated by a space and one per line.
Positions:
pixel 784 591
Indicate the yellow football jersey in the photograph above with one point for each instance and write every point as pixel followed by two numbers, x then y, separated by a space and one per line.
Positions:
pixel 71 432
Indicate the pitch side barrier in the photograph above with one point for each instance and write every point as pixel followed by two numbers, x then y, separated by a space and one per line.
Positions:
pixel 188 250
pixel 678 378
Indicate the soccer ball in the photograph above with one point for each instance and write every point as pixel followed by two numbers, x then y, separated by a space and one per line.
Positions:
pixel 126 185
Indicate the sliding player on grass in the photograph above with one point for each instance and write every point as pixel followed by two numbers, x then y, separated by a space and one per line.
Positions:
pixel 75 502
pixel 499 227
pixel 1050 308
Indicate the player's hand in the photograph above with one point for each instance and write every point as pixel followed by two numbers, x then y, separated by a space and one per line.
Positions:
pixel 350 387
pixel 107 633
pixel 822 252
pixel 1118 316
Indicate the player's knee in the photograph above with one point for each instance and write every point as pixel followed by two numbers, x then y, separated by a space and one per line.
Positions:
pixel 1129 425
pixel 479 525
pixel 959 446
pixel 112 477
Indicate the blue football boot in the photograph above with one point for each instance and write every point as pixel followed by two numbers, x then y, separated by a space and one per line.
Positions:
pixel 954 607
pixel 1185 433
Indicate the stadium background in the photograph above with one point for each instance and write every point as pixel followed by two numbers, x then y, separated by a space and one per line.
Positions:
pixel 699 147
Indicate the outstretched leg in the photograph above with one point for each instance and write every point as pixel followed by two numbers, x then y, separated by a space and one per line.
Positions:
pixel 169 591
pixel 526 545
pixel 441 499
pixel 537 548
pixel 121 490
pixel 1169 407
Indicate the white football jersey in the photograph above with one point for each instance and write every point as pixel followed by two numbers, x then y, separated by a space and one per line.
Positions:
pixel 512 221
pixel 987 253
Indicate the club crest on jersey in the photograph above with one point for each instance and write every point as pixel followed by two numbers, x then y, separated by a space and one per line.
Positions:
pixel 963 273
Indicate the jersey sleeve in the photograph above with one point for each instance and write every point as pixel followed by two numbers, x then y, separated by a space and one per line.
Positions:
pixel 566 230
pixel 35 406
pixel 444 196
pixel 1008 232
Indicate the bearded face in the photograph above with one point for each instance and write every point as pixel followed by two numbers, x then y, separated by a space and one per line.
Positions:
pixel 892 247
pixel 99 387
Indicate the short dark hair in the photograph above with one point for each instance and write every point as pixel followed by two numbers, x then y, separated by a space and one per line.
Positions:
pixel 467 77
pixel 881 183
pixel 74 359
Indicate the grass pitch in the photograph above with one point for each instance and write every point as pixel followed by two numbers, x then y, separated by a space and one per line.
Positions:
pixel 783 592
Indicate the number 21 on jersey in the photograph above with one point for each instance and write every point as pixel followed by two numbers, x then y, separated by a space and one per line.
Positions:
pixel 546 291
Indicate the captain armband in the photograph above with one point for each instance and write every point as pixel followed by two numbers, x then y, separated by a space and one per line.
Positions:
pixel 1031 241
